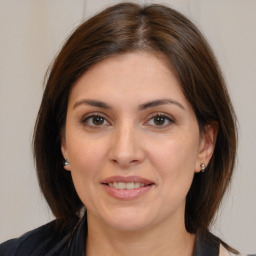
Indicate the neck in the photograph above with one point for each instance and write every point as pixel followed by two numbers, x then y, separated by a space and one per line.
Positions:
pixel 163 240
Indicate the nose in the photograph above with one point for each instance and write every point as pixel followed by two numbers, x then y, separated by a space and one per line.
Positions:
pixel 126 147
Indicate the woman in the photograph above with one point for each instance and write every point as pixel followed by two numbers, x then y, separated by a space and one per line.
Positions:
pixel 136 126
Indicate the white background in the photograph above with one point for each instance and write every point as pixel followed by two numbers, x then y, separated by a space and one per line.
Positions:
pixel 31 35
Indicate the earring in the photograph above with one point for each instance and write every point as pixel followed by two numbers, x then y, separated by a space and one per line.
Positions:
pixel 202 167
pixel 66 162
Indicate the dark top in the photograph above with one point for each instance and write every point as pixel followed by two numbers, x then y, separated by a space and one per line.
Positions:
pixel 44 241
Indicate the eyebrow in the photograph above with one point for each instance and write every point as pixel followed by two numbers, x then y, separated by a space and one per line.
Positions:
pixel 150 104
pixel 160 102
pixel 94 103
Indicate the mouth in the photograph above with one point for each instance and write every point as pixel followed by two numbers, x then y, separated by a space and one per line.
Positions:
pixel 127 187
pixel 124 185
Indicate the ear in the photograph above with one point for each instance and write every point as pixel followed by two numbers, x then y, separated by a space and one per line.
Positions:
pixel 64 148
pixel 206 145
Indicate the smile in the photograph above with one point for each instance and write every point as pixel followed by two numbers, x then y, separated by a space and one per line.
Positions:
pixel 130 187
pixel 123 185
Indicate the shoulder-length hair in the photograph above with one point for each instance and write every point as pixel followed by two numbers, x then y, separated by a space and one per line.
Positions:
pixel 124 28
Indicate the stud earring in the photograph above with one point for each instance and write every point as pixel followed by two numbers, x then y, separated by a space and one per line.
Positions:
pixel 66 162
pixel 202 167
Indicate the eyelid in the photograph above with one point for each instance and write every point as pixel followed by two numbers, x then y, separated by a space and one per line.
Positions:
pixel 154 114
pixel 148 118
pixel 162 114
pixel 94 114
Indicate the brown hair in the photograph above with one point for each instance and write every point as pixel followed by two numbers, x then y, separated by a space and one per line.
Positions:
pixel 129 27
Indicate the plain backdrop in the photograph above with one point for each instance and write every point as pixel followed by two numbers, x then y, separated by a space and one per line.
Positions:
pixel 32 33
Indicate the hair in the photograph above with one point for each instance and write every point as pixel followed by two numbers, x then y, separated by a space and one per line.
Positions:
pixel 120 29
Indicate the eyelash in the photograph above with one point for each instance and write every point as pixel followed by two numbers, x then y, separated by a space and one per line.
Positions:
pixel 161 115
pixel 93 115
pixel 149 118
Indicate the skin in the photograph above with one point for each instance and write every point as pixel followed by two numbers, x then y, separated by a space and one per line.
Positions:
pixel 128 140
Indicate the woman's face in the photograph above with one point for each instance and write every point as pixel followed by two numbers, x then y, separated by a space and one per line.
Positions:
pixel 133 142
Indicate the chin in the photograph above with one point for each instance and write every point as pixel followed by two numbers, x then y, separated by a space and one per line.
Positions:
pixel 129 225
pixel 127 220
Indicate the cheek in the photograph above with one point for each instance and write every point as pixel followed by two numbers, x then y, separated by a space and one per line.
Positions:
pixel 86 160
pixel 83 150
pixel 174 163
pixel 179 153
pixel 175 160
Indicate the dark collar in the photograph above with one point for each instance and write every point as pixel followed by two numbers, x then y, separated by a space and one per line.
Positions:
pixel 78 239
pixel 206 245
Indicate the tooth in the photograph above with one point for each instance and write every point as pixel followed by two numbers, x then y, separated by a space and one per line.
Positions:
pixel 121 185
pixel 130 185
pixel 136 185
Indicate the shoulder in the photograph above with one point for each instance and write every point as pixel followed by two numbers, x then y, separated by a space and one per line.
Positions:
pixel 209 244
pixel 35 242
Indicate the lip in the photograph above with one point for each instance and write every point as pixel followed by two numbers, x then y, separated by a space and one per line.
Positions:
pixel 127 194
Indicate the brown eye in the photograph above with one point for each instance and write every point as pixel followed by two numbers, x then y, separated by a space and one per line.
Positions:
pixel 159 120
pixel 95 121
pixel 98 120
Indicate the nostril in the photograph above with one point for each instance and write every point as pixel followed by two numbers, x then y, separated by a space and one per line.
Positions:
pixel 124 163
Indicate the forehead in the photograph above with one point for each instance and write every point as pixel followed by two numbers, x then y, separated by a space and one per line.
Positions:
pixel 141 76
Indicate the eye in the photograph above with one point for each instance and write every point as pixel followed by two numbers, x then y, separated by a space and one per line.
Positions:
pixel 160 119
pixel 95 120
